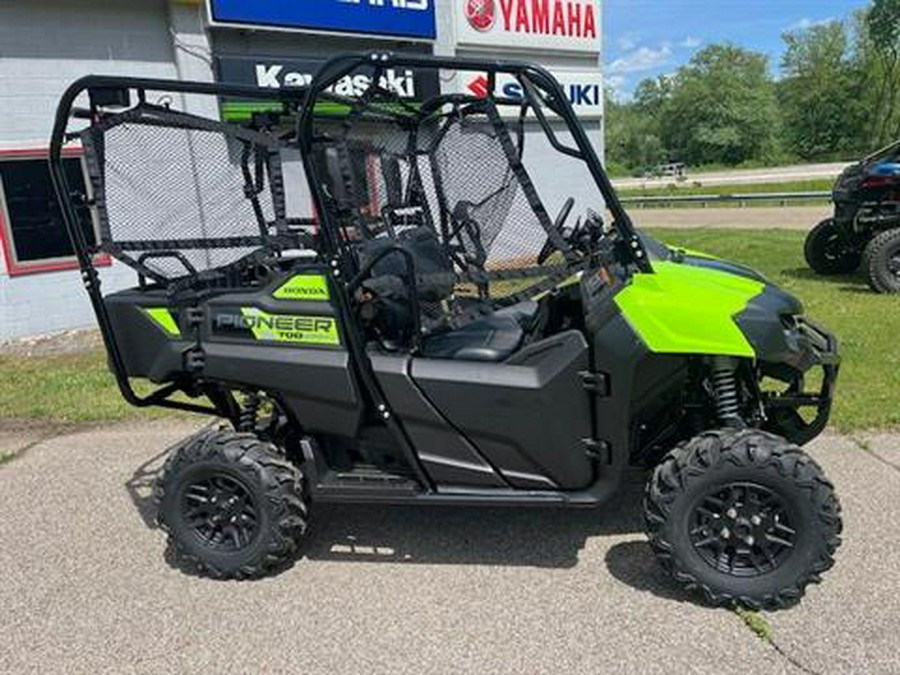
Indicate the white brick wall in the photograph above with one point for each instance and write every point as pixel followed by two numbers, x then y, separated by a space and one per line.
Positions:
pixel 44 46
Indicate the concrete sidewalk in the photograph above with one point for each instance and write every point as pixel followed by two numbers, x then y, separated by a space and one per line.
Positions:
pixel 86 586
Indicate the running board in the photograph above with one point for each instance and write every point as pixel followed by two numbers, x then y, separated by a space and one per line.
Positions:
pixel 364 485
pixel 349 488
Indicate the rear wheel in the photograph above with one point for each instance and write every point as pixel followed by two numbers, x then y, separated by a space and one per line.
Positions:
pixel 745 516
pixel 881 262
pixel 233 507
pixel 827 252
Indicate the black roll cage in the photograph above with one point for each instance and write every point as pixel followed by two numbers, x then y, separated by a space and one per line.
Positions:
pixel 104 91
pixel 528 76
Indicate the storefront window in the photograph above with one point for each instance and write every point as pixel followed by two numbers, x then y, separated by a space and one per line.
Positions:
pixel 33 235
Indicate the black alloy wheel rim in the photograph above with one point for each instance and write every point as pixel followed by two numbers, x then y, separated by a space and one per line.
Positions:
pixel 743 530
pixel 836 249
pixel 221 512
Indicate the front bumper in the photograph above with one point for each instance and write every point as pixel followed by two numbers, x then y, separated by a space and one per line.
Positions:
pixel 796 413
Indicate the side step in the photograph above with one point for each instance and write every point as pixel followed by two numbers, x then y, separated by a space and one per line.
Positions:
pixel 370 486
pixel 364 484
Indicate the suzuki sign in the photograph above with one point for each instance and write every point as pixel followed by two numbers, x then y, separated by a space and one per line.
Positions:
pixel 557 25
pixel 411 19
pixel 583 87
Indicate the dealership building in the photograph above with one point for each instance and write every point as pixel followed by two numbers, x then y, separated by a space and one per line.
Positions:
pixel 46 44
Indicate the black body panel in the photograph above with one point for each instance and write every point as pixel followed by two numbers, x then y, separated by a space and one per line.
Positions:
pixel 316 385
pixel 528 416
pixel 447 456
pixel 147 350
pixel 768 322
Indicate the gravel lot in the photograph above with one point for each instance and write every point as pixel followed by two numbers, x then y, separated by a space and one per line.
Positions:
pixel 87 587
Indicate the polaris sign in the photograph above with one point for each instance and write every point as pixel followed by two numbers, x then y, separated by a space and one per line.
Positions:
pixel 410 19
pixel 583 87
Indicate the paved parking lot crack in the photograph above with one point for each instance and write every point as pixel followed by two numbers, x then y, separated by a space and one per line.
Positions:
pixel 791 659
pixel 8 456
pixel 865 445
pixel 760 626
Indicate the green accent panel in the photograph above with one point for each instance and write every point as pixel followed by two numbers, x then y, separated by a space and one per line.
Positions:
pixel 293 328
pixel 682 309
pixel 163 318
pixel 304 287
pixel 241 111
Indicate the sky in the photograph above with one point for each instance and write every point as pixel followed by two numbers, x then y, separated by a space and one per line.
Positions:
pixel 646 38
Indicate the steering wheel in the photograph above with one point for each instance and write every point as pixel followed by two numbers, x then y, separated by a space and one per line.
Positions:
pixel 549 246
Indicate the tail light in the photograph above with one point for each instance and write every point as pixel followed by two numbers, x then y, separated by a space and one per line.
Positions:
pixel 880 181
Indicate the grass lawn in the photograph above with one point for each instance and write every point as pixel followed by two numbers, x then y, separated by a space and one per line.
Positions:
pixel 78 388
pixel 63 388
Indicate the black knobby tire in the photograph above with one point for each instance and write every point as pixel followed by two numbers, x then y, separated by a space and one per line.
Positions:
pixel 826 253
pixel 233 507
pixel 881 262
pixel 707 469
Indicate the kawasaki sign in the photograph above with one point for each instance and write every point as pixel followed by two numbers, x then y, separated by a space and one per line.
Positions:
pixel 274 73
pixel 410 19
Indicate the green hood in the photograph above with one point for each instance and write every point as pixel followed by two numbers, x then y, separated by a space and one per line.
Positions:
pixel 690 305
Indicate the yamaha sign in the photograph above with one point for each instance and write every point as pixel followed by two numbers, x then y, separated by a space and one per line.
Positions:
pixel 553 25
pixel 408 19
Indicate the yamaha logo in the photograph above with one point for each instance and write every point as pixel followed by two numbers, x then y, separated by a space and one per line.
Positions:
pixel 481 14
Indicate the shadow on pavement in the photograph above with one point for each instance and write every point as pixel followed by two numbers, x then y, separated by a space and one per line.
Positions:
pixel 435 535
pixel 140 486
pixel 633 563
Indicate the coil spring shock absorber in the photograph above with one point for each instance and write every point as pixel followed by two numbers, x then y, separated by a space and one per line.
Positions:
pixel 249 412
pixel 725 389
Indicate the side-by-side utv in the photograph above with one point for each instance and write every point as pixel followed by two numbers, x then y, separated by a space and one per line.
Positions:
pixel 457 321
pixel 864 232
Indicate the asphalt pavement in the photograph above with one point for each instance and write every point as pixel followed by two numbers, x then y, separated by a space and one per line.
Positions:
pixel 86 585
pixel 747 218
pixel 772 174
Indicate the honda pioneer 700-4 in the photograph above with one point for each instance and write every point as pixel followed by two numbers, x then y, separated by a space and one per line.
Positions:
pixel 465 316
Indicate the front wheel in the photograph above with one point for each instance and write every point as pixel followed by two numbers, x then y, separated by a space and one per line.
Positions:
pixel 827 252
pixel 745 516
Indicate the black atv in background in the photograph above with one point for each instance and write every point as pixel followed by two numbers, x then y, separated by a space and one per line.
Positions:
pixel 865 229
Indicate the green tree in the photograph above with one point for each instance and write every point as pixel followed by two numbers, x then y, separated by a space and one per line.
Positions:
pixel 632 136
pixel 721 108
pixel 878 55
pixel 819 93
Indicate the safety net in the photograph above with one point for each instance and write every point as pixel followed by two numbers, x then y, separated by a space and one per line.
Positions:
pixel 178 195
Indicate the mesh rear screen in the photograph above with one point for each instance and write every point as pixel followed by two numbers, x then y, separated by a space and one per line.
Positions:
pixel 169 188
pixel 456 171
